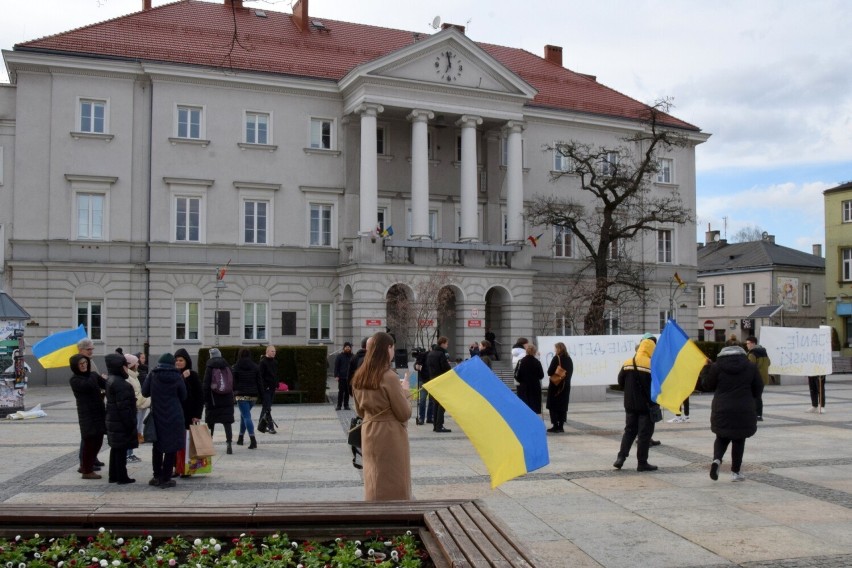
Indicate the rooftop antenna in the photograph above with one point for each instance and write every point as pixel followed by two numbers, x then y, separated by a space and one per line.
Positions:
pixel 436 22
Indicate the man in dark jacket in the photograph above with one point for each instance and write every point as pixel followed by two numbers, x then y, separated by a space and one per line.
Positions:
pixel 268 368
pixel 438 363
pixel 425 403
pixel 167 391
pixel 358 358
pixel 757 355
pixel 635 379
pixel 120 418
pixel 341 373
pixel 733 415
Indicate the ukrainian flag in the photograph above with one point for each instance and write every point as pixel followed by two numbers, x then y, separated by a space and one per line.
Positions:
pixel 55 350
pixel 508 436
pixel 675 365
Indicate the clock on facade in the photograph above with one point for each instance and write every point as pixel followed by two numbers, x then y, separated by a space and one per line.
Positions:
pixel 448 66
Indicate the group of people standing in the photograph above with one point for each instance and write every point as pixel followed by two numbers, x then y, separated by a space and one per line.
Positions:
pixel 529 373
pixel 172 396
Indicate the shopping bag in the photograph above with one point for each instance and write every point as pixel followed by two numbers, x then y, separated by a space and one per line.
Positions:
pixel 197 466
pixel 149 432
pixel 200 441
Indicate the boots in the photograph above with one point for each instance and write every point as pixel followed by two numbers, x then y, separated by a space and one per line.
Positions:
pixel 240 440
pixel 229 450
pixel 253 445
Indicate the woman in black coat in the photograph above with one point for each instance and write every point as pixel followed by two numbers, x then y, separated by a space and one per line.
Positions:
pixel 167 391
pixel 558 395
pixel 91 413
pixel 733 416
pixel 120 418
pixel 247 387
pixel 530 373
pixel 218 408
pixel 193 404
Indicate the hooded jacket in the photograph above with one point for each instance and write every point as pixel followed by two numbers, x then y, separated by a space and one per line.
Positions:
pixel 167 390
pixel 759 357
pixel 86 386
pixel 247 378
pixel 635 378
pixel 737 384
pixel 218 408
pixel 120 406
pixel 193 405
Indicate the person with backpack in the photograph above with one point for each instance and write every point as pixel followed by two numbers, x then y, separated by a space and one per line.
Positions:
pixel 218 388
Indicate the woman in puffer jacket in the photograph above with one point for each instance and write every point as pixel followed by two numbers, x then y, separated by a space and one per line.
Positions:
pixel 120 418
pixel 91 414
pixel 247 387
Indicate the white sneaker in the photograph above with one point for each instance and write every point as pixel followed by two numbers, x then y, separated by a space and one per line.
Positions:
pixel 737 476
pixel 812 409
pixel 677 420
pixel 685 418
pixel 822 410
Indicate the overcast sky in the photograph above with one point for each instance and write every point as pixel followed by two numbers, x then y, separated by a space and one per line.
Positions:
pixel 771 80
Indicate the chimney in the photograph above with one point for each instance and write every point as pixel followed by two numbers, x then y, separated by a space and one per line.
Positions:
pixel 711 237
pixel 146 5
pixel 553 54
pixel 769 238
pixel 300 15
pixel 448 25
pixel 235 3
pixel 817 250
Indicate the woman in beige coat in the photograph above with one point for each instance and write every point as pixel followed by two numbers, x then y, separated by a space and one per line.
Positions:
pixel 382 402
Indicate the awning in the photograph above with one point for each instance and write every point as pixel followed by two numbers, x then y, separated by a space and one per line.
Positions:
pixel 765 311
pixel 844 308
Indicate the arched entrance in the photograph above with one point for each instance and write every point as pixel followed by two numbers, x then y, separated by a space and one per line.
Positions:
pixel 448 325
pixel 497 301
pixel 400 308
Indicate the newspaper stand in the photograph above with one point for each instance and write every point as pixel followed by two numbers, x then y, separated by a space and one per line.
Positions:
pixel 13 375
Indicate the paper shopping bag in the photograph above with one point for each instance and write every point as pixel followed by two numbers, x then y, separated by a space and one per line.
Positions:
pixel 200 441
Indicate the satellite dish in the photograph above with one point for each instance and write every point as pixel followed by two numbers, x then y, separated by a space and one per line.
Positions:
pixel 764 235
pixel 436 22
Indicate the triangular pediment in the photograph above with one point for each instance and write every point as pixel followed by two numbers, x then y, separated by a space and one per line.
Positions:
pixel 449 59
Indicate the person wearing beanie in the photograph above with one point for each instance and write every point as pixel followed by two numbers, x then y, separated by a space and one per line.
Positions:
pixel 737 385
pixel 268 368
pixel 167 391
pixel 218 407
pixel 247 387
pixel 193 404
pixel 120 418
pixel 142 403
pixel 635 379
pixel 91 414
pixel 341 373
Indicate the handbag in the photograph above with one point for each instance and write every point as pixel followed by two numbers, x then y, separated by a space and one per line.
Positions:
pixel 558 376
pixel 200 441
pixel 149 431
pixel 655 412
pixel 354 438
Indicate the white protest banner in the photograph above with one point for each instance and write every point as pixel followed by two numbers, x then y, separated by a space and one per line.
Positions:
pixel 797 351
pixel 597 358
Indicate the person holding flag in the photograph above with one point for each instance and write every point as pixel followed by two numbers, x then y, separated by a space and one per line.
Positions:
pixel 635 379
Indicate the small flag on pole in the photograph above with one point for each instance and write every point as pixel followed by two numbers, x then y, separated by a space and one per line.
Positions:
pixel 534 240
pixel 222 270
pixel 55 350
pixel 388 232
pixel 679 280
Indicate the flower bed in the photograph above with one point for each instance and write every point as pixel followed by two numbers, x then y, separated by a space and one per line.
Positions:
pixel 107 549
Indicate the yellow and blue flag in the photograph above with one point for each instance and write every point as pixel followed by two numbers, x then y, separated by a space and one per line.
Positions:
pixel 675 365
pixel 55 350
pixel 508 436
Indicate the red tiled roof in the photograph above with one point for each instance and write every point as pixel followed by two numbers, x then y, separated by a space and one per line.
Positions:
pixel 202 33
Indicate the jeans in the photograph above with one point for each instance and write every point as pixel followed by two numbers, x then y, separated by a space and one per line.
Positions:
pixel 425 410
pixel 245 407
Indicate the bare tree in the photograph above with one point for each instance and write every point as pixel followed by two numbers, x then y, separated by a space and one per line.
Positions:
pixel 413 320
pixel 748 234
pixel 616 203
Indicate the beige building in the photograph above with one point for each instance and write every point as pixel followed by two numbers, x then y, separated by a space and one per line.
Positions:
pixel 142 153
pixel 745 286
pixel 838 263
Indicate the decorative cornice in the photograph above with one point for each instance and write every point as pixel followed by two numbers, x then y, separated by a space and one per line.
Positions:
pixel 318 189
pixel 322 152
pixel 190 141
pixel 85 178
pixel 268 147
pixel 257 185
pixel 92 136
pixel 188 181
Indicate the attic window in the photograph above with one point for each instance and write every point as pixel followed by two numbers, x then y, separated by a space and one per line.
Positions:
pixel 319 25
pixel 260 13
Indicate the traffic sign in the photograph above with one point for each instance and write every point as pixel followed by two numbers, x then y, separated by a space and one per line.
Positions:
pixel 708 325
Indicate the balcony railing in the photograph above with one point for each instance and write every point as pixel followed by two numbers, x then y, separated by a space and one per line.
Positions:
pixel 471 255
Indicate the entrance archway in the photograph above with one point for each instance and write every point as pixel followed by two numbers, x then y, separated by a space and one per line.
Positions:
pixel 497 300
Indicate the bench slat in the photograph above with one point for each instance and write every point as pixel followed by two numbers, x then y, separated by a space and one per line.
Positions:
pixel 479 538
pixel 497 534
pixel 463 540
pixel 434 550
pixel 446 542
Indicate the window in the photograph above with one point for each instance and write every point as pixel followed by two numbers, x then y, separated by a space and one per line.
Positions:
pixel 321 133
pixel 255 219
pixel 719 295
pixel 381 141
pixel 254 320
pixel 90 315
pixel 433 224
pixel 459 223
pixel 665 316
pixel 93 116
pixel 504 151
pixel 748 294
pixel 847 264
pixel 320 225
pixel 186 320
pixel 189 122
pixel 257 128
pixel 702 297
pixel 614 250
pixel 382 218
pixel 665 173
pixel 806 294
pixel 320 322
pixel 563 242
pixel 430 144
pixel 847 211
pixel 90 216
pixel 609 163
pixel 561 162
pixel 664 246
pixel 458 147
pixel 611 325
pixel 188 219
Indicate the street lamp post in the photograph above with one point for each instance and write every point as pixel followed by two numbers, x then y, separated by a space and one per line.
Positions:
pixel 677 289
pixel 220 285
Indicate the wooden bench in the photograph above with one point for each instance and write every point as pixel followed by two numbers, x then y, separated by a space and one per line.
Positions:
pixel 455 533
pixel 282 395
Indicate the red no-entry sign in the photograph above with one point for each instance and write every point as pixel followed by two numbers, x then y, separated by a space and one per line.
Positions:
pixel 708 325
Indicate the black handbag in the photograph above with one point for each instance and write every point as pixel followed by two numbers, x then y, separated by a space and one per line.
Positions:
pixel 655 412
pixel 149 432
pixel 355 432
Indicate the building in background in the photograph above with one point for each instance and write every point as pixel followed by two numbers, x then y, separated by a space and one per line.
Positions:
pixel 745 286
pixel 838 262
pixel 331 166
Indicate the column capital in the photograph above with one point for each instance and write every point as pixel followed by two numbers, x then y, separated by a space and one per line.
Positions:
pixel 514 126
pixel 369 109
pixel 469 120
pixel 420 115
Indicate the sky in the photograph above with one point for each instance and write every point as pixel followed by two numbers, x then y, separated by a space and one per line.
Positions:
pixel 771 80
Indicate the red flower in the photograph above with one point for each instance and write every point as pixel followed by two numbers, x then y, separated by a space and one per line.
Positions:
pixel 238 552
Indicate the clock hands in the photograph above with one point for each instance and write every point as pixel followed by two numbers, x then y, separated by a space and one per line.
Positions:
pixel 449 62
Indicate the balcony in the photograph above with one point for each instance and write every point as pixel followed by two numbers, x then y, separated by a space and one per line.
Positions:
pixel 433 253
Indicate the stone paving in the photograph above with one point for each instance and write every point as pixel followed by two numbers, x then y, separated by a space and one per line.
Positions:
pixel 794 510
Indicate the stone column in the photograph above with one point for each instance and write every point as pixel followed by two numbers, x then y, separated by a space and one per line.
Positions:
pixel 515 182
pixel 369 175
pixel 420 173
pixel 469 220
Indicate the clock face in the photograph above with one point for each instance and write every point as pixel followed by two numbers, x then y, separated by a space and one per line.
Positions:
pixel 448 66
